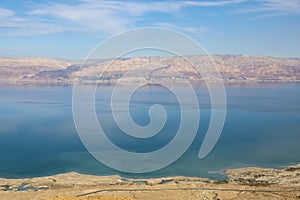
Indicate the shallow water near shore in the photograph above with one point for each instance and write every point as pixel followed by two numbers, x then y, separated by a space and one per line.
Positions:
pixel 38 135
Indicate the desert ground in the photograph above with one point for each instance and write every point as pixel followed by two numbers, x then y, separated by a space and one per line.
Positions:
pixel 242 183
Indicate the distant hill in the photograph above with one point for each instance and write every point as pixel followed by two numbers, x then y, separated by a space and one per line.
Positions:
pixel 232 68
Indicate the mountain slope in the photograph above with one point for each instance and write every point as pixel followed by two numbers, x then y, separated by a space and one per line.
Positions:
pixel 232 68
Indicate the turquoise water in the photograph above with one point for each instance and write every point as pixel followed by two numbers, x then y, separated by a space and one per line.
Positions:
pixel 38 135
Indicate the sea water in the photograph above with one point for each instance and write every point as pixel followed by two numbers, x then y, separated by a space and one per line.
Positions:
pixel 38 135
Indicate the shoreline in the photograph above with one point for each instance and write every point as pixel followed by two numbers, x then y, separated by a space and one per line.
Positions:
pixel 250 181
pixel 234 84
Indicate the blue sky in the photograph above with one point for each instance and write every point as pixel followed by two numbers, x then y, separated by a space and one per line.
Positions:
pixel 70 29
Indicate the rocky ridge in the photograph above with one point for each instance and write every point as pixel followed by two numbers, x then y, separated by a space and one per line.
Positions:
pixel 231 68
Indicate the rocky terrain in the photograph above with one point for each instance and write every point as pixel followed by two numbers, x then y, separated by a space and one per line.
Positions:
pixel 264 176
pixel 232 68
pixel 243 183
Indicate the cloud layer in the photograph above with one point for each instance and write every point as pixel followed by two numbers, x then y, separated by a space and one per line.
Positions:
pixel 93 16
pixel 114 16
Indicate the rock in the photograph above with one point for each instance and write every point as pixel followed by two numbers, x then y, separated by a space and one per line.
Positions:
pixel 265 176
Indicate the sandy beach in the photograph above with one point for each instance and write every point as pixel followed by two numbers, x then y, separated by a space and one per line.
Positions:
pixel 242 183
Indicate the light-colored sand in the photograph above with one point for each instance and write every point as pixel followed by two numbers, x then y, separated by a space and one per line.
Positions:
pixel 246 183
pixel 91 198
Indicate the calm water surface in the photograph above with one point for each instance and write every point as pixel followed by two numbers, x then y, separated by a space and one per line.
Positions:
pixel 38 135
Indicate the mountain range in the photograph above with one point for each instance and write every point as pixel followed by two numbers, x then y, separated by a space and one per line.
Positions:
pixel 230 68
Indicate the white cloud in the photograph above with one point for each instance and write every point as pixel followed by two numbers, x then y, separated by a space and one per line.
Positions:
pixel 94 16
pixel 8 19
pixel 282 5
pixel 195 30
pixel 84 17
pixel 187 29
pixel 4 13
pixel 276 7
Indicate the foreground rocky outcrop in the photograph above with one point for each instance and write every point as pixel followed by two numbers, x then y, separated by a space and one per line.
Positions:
pixel 243 183
pixel 286 177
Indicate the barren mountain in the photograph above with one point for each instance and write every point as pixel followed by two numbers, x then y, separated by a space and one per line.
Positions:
pixel 20 69
pixel 231 68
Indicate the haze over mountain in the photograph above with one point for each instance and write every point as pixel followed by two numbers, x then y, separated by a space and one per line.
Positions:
pixel 232 68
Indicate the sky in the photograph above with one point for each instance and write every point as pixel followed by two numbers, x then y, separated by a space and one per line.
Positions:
pixel 70 29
